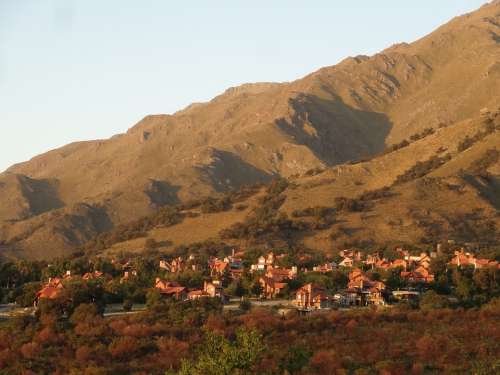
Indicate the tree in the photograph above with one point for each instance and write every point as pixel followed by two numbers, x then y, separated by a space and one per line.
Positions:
pixel 28 294
pixel 295 359
pixel 431 300
pixel 245 305
pixel 85 312
pixel 153 298
pixel 219 356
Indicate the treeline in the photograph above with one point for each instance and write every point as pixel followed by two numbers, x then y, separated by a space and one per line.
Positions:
pixel 363 202
pixel 221 203
pixel 413 138
pixel 468 142
pixel 480 166
pixel 265 220
pixel 168 216
pixel 164 217
pixel 422 168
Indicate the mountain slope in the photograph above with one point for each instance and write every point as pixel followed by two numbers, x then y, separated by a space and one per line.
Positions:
pixel 255 132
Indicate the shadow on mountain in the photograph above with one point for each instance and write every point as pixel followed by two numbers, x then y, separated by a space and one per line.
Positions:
pixel 335 132
pixel 228 171
pixel 162 193
pixel 488 187
pixel 42 195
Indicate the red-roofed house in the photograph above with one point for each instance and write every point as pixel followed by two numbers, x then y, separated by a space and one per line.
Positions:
pixel 280 274
pixel 419 275
pixel 210 290
pixel 218 267
pixel 170 289
pixel 270 287
pixel 92 275
pixel 311 296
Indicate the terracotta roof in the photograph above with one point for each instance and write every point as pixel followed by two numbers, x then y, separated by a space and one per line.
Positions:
pixel 49 292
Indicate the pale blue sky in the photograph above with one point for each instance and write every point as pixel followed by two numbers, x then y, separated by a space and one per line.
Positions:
pixel 85 69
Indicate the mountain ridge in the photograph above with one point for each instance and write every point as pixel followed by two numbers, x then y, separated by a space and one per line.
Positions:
pixel 256 132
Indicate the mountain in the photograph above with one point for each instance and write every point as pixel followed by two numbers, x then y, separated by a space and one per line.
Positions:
pixel 328 120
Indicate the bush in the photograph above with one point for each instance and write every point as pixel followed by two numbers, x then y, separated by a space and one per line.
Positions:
pixel 127 305
pixel 422 168
pixel 431 300
pixel 245 305
pixel 481 165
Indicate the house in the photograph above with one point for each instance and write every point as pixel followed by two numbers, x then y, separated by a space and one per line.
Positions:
pixel 271 288
pixel 170 289
pixel 236 273
pixel 280 274
pixel 484 263
pixel 311 296
pixel 422 259
pixel 353 254
pixel 218 267
pixel 233 260
pixel 406 295
pixel 51 290
pixel 372 259
pixel 325 268
pixel 362 291
pixel 346 262
pixel 383 264
pixel 47 292
pixel 399 263
pixel 210 290
pixel 263 262
pixel 419 275
pixel 55 282
pixel 92 275
pixel 175 265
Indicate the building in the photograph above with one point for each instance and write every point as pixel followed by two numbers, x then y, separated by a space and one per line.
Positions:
pixel 325 268
pixel 311 296
pixel 263 262
pixel 400 263
pixel 465 259
pixel 362 291
pixel 280 274
pixel 347 262
pixel 92 275
pixel 406 295
pixel 212 289
pixel 271 288
pixel 218 267
pixel 174 266
pixel 419 275
pixel 170 289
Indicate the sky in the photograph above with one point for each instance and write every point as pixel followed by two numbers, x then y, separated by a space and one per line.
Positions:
pixel 75 70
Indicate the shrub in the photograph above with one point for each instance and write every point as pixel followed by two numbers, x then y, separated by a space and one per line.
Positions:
pixel 422 168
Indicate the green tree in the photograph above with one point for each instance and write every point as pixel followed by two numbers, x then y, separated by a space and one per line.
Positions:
pixel 220 356
pixel 295 359
pixel 431 300
pixel 27 294
pixel 153 298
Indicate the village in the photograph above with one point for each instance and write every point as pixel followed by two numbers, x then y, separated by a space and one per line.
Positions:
pixel 356 280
